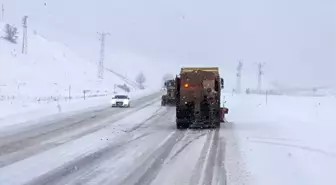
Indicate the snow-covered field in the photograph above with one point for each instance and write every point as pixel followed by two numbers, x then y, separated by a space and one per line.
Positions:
pixel 48 69
pixel 39 83
pixel 282 140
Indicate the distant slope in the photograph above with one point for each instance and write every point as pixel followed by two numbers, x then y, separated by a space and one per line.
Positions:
pixel 48 69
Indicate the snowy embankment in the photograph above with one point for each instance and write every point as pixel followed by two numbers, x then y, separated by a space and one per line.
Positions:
pixel 41 82
pixel 38 111
pixel 283 140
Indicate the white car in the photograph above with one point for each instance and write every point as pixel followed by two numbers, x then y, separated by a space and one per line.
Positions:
pixel 120 101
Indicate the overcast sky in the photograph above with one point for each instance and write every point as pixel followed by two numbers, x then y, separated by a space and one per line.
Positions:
pixel 295 38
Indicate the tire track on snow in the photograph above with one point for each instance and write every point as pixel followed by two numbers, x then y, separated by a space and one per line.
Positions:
pixel 86 162
pixel 94 175
pixel 204 169
pixel 154 162
pixel 186 145
pixel 15 147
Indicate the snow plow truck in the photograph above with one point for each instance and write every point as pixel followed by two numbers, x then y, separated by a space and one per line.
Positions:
pixel 169 98
pixel 198 95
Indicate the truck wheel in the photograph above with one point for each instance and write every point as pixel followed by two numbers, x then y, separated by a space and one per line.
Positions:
pixel 181 125
pixel 217 124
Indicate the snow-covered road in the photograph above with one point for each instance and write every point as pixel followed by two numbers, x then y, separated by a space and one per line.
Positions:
pixel 264 142
pixel 139 145
pixel 20 143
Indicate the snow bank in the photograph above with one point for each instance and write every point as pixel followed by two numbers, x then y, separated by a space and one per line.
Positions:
pixel 17 114
pixel 285 140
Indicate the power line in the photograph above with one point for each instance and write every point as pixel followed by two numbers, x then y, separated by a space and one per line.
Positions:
pixel 102 53
pixel 239 73
pixel 24 38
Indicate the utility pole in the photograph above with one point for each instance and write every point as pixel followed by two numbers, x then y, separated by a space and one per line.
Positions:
pixel 239 70
pixel 260 73
pixel 24 38
pixel 69 93
pixel 102 53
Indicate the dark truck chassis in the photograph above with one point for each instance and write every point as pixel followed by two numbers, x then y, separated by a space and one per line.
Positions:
pixel 186 118
pixel 167 100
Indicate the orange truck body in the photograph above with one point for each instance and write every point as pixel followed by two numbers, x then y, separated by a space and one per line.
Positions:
pixel 198 97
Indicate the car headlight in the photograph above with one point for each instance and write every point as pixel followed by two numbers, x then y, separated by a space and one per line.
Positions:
pixel 113 102
pixel 126 102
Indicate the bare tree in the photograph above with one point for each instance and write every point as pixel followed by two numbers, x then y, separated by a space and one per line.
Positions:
pixel 11 33
pixel 141 79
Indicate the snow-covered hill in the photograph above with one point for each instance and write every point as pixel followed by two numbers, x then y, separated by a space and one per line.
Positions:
pixel 48 69
pixel 38 83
